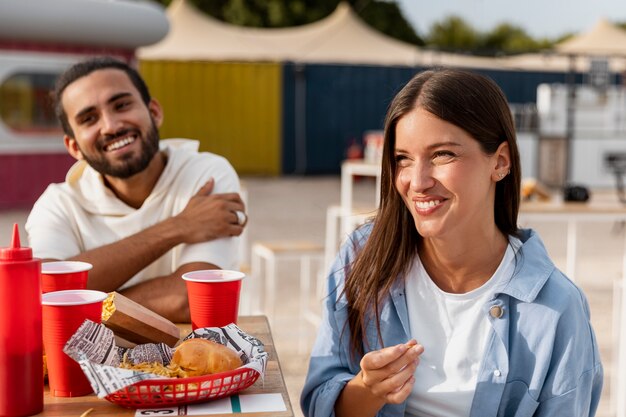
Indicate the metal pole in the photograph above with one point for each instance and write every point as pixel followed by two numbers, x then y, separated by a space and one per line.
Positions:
pixel 569 117
pixel 300 118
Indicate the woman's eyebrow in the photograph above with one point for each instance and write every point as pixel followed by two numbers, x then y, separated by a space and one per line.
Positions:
pixel 433 146
pixel 444 144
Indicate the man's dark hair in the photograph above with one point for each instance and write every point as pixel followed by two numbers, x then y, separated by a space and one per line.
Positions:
pixel 85 68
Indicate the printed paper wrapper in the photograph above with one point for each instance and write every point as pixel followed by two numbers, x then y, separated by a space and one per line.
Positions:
pixel 93 347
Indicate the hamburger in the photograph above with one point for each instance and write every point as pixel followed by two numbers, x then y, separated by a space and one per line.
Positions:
pixel 201 357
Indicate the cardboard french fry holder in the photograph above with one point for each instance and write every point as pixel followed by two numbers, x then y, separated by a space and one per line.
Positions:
pixel 135 324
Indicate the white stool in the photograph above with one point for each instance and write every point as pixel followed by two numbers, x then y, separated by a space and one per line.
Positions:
pixel 338 220
pixel 265 278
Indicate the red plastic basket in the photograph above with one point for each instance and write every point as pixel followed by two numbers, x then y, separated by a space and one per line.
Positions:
pixel 180 391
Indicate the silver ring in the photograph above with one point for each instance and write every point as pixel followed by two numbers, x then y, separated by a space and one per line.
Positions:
pixel 242 218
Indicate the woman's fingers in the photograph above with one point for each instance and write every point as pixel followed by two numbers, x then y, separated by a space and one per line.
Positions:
pixel 379 359
pixel 394 382
pixel 400 395
pixel 389 371
pixel 391 360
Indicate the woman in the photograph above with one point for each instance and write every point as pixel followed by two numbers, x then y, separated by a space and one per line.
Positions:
pixel 441 306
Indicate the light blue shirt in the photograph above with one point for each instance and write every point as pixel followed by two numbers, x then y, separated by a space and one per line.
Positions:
pixel 541 357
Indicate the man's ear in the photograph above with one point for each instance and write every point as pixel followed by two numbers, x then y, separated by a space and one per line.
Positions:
pixel 156 111
pixel 72 147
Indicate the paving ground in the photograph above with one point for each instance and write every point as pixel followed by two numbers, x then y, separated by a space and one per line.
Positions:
pixel 295 208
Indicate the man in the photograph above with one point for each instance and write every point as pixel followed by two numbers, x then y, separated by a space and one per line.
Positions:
pixel 140 210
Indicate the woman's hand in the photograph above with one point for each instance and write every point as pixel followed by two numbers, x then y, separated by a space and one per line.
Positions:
pixel 386 377
pixel 388 373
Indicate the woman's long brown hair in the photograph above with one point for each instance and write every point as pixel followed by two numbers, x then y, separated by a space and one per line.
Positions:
pixel 468 100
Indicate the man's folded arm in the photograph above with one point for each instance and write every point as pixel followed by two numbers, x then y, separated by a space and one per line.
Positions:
pixel 116 263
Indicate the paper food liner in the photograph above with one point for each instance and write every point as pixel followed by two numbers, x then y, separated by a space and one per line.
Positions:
pixel 93 347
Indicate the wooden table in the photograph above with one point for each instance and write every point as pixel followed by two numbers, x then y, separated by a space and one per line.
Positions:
pixel 274 383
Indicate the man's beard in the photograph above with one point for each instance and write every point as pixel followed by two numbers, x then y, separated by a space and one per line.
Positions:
pixel 130 166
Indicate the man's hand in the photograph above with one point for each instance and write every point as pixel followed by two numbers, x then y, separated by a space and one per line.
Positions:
pixel 210 216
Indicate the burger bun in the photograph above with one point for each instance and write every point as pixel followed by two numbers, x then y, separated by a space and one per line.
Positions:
pixel 202 357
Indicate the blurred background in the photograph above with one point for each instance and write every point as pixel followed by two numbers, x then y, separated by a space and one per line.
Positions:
pixel 291 87
pixel 289 90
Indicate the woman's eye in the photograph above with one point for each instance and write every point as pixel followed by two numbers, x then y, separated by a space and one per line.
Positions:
pixel 443 155
pixel 400 159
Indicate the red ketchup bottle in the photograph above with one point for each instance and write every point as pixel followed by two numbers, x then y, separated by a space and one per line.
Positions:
pixel 21 361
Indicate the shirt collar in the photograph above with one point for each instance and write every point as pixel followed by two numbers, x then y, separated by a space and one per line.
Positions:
pixel 532 270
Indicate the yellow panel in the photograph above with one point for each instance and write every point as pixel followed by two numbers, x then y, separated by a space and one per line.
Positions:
pixel 233 109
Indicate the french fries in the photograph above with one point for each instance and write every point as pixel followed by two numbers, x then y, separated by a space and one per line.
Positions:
pixel 170 371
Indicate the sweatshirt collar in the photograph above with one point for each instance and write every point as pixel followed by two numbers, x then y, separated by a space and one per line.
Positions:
pixel 90 190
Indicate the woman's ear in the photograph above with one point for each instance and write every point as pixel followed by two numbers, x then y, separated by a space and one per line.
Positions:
pixel 156 111
pixel 72 147
pixel 503 161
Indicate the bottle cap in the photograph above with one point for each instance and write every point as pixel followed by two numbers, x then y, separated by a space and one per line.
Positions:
pixel 16 252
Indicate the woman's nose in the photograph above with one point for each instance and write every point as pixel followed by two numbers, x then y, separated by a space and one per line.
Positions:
pixel 417 177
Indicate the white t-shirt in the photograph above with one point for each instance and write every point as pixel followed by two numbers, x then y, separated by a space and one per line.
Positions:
pixel 82 213
pixel 453 329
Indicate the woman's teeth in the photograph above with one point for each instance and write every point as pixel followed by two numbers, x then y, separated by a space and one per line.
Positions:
pixel 427 204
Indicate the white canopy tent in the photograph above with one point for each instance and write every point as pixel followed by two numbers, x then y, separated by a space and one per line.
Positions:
pixel 341 38
pixel 604 39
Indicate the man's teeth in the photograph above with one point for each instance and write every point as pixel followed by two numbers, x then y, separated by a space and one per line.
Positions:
pixel 120 143
pixel 427 204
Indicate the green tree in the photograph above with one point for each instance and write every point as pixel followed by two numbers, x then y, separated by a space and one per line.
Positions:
pixel 453 34
pixel 510 39
pixel 387 18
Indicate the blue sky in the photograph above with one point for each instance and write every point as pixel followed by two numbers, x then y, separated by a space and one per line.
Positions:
pixel 540 18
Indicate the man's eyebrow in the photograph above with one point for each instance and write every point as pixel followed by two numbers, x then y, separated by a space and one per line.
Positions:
pixel 112 99
pixel 118 96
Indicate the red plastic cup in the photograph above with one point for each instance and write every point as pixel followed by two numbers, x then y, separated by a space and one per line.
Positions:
pixel 213 297
pixel 64 275
pixel 63 313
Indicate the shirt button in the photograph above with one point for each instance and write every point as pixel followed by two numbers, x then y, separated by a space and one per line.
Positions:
pixel 497 372
pixel 496 312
